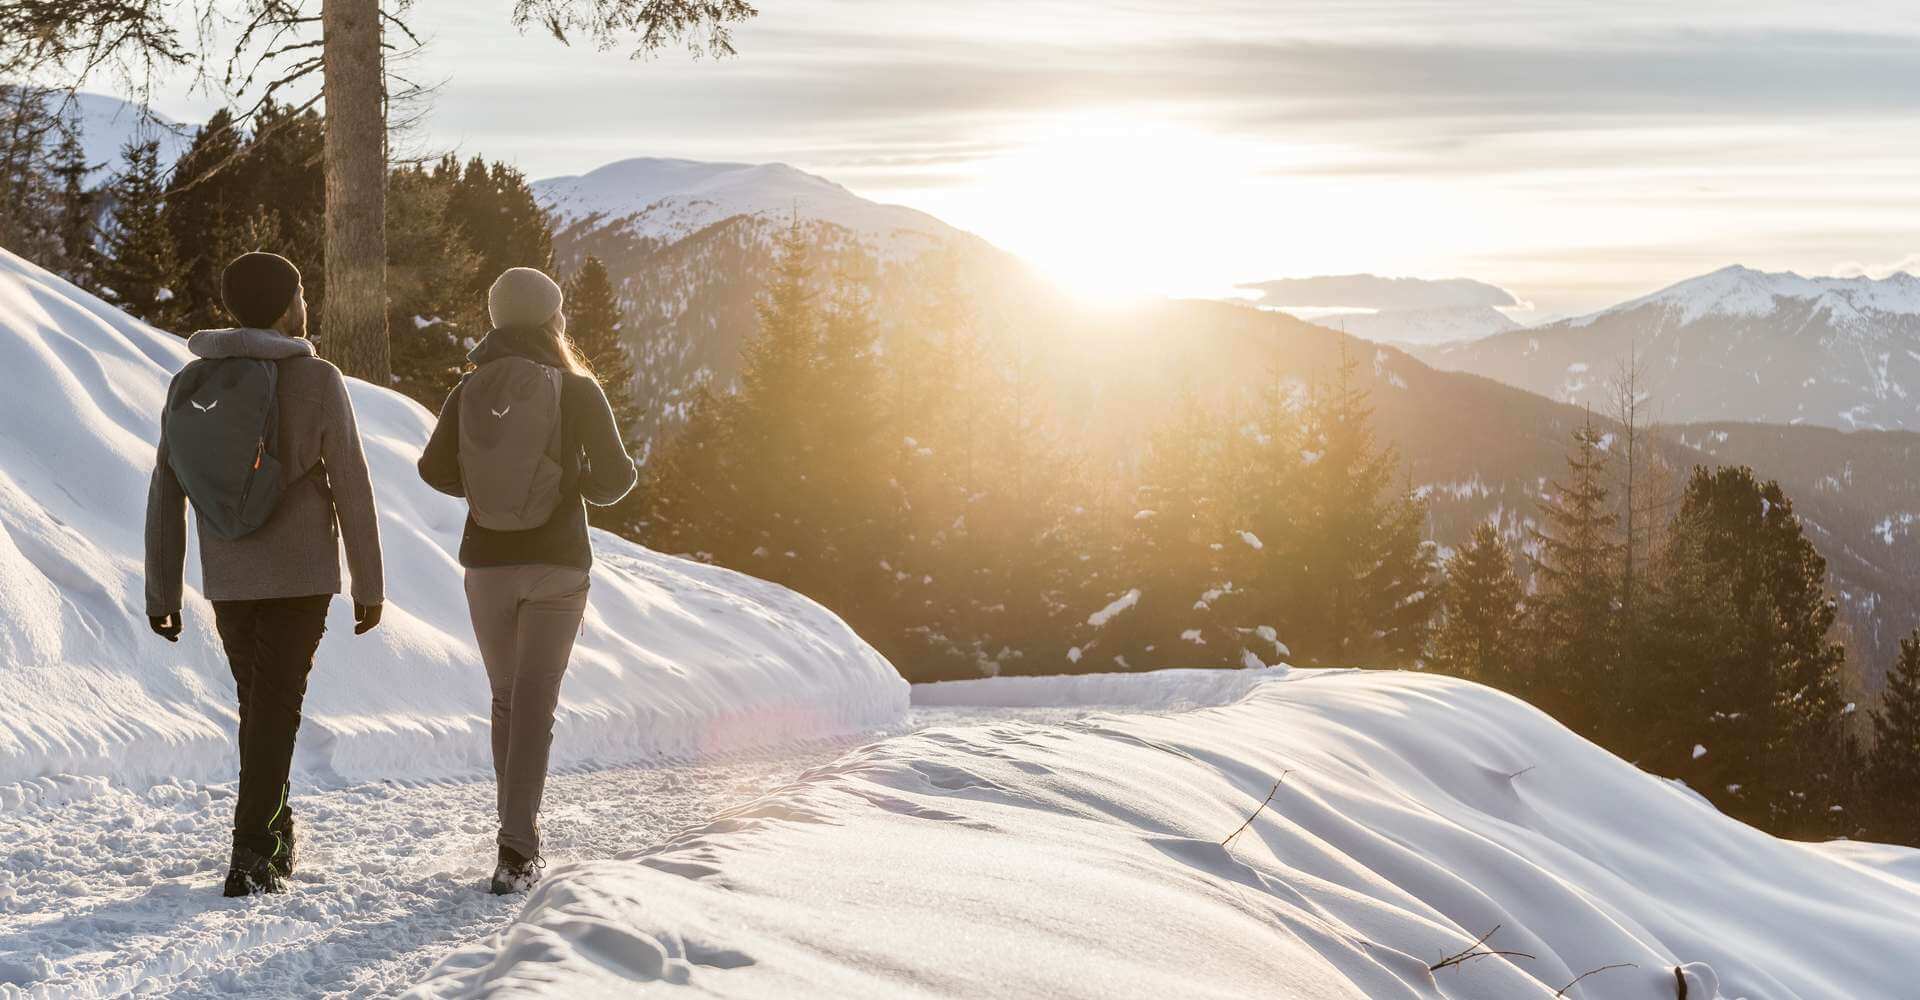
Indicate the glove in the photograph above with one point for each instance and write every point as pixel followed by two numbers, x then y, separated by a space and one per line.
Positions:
pixel 166 626
pixel 365 617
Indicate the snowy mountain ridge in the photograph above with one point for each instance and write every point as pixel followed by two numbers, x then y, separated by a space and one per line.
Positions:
pixel 670 199
pixel 107 124
pixel 1737 344
pixel 1743 291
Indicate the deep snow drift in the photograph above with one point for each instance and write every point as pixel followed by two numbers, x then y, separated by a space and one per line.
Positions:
pixel 676 657
pixel 1413 814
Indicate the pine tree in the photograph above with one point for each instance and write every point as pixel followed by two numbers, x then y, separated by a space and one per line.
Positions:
pixel 1482 628
pixel 139 270
pixel 687 497
pixel 771 439
pixel 1893 769
pixel 30 223
pixel 1756 684
pixel 594 322
pixel 854 492
pixel 1261 473
pixel 210 194
pixel 78 206
pixel 494 209
pixel 430 270
pixel 1174 547
pixel 232 192
pixel 1363 591
pixel 1573 611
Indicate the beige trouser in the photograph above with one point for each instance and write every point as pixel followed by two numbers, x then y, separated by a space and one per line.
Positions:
pixel 525 619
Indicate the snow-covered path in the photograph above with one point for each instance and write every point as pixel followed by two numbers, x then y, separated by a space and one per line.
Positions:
pixel 118 890
pixel 109 891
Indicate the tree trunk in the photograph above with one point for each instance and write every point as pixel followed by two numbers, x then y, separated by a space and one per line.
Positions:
pixel 353 330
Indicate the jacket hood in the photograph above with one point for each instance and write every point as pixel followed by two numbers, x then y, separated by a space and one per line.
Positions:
pixel 247 342
pixel 518 342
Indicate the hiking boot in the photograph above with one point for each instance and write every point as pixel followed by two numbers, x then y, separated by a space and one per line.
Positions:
pixel 250 874
pixel 516 872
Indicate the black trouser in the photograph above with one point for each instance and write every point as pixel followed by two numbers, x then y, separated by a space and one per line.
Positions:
pixel 270 645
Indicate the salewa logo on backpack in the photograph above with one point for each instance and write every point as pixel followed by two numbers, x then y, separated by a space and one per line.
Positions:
pixel 226 465
pixel 511 468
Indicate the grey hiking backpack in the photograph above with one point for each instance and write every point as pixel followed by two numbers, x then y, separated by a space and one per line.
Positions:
pixel 222 426
pixel 510 443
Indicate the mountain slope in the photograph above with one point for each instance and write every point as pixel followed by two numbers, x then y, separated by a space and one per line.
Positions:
pixel 1481 450
pixel 1333 834
pixel 107 124
pixel 689 246
pixel 675 657
pixel 1737 344
pixel 1434 325
pixel 1484 451
pixel 667 200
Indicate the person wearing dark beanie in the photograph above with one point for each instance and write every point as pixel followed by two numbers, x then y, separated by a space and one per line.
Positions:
pixel 271 588
pixel 258 289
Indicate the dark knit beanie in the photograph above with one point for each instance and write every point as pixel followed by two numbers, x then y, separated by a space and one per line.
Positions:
pixel 259 287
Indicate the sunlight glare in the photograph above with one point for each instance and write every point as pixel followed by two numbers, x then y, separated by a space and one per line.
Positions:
pixel 1100 202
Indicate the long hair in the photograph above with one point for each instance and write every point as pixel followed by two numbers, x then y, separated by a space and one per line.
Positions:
pixel 564 346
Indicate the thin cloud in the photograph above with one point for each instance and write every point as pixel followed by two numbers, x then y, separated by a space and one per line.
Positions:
pixel 1369 291
pixel 1910 264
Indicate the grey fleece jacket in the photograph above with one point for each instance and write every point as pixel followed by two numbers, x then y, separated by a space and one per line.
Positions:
pixel 297 552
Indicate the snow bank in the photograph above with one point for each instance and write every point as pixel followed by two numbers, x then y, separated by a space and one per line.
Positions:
pixel 676 658
pixel 1153 690
pixel 1416 814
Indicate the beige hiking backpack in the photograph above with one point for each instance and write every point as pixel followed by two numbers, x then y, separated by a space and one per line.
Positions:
pixel 510 443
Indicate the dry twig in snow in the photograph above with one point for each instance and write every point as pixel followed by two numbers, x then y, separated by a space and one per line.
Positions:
pixel 1562 991
pixel 1473 951
pixel 1263 804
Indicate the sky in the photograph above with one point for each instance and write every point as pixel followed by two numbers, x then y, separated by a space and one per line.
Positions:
pixel 1574 153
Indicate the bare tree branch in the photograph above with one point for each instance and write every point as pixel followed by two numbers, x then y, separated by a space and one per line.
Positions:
pixel 705 26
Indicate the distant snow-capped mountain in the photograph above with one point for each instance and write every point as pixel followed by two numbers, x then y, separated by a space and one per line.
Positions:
pixel 689 246
pixel 668 199
pixel 1736 344
pixel 1437 325
pixel 108 124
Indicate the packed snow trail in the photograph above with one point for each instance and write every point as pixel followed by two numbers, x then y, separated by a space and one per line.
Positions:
pixel 107 890
pixel 118 891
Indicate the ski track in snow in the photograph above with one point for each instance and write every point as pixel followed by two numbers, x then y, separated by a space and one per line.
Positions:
pixel 111 891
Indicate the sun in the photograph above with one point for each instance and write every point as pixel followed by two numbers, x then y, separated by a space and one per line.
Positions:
pixel 1112 205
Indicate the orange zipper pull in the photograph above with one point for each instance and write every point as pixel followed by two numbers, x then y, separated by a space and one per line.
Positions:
pixel 259 452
